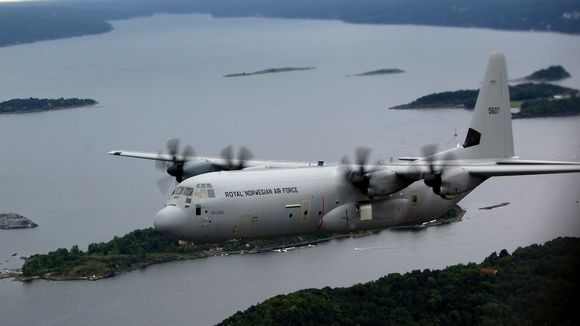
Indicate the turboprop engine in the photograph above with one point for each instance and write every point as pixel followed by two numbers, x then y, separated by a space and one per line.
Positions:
pixel 183 164
pixel 375 182
pixel 385 182
pixel 457 181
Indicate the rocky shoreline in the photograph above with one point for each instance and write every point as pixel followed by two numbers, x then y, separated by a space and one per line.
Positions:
pixel 15 221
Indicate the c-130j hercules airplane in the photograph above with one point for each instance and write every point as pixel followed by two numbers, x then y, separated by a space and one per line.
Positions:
pixel 218 199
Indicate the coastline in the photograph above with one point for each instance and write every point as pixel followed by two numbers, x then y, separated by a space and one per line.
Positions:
pixel 96 105
pixel 47 21
pixel 170 257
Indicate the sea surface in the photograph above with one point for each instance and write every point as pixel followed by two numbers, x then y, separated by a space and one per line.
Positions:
pixel 161 77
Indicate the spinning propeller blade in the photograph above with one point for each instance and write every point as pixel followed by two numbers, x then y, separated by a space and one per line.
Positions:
pixel 175 167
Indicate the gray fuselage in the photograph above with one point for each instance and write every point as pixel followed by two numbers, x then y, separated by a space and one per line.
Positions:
pixel 218 206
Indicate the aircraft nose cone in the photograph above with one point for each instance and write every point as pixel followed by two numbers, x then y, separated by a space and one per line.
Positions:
pixel 171 220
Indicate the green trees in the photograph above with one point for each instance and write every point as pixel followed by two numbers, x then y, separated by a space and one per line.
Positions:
pixel 534 285
pixel 58 261
pixel 105 258
pixel 549 108
pixel 552 73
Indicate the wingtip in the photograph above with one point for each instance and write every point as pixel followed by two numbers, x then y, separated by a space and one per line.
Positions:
pixel 114 153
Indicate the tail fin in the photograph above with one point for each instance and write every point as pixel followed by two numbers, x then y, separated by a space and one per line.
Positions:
pixel 490 132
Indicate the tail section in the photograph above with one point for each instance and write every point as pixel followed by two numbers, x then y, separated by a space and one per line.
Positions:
pixel 490 132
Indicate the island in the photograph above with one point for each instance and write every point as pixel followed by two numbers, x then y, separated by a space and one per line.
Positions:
pixel 378 72
pixel 487 208
pixel 37 104
pixel 15 221
pixel 534 100
pixel 269 71
pixel 543 108
pixel 141 248
pixel 534 285
pixel 552 73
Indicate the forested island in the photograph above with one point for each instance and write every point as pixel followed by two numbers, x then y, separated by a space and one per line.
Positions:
pixel 378 72
pixel 535 285
pixel 30 21
pixel 550 74
pixel 141 248
pixel 534 100
pixel 269 71
pixel 43 104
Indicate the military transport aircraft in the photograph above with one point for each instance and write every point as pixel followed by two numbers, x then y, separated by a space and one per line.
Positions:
pixel 224 198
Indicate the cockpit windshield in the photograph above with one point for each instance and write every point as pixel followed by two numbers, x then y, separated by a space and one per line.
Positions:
pixel 179 191
pixel 201 190
pixel 204 190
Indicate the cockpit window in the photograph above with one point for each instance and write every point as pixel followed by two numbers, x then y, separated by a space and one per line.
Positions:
pixel 179 191
pixel 188 191
pixel 204 190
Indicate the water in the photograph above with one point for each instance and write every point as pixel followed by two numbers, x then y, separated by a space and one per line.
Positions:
pixel 160 77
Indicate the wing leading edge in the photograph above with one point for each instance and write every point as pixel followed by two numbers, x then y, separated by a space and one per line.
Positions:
pixel 525 168
pixel 212 160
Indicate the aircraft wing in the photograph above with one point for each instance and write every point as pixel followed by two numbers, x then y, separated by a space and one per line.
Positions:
pixel 143 155
pixel 525 168
pixel 504 167
pixel 212 160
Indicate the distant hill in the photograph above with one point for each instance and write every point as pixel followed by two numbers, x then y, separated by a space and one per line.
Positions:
pixel 31 21
pixel 552 73
pixel 535 285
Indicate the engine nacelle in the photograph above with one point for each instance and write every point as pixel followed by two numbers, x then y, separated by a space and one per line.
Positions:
pixel 193 168
pixel 458 181
pixel 385 182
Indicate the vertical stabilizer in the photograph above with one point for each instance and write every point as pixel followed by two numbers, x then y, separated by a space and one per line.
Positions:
pixel 490 132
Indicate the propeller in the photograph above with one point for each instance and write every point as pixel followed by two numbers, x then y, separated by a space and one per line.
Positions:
pixel 434 178
pixel 358 176
pixel 227 154
pixel 174 167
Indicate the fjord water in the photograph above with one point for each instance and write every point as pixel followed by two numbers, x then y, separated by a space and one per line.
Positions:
pixel 160 77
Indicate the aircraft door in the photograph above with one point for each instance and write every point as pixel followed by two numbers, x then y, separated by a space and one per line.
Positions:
pixel 242 227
